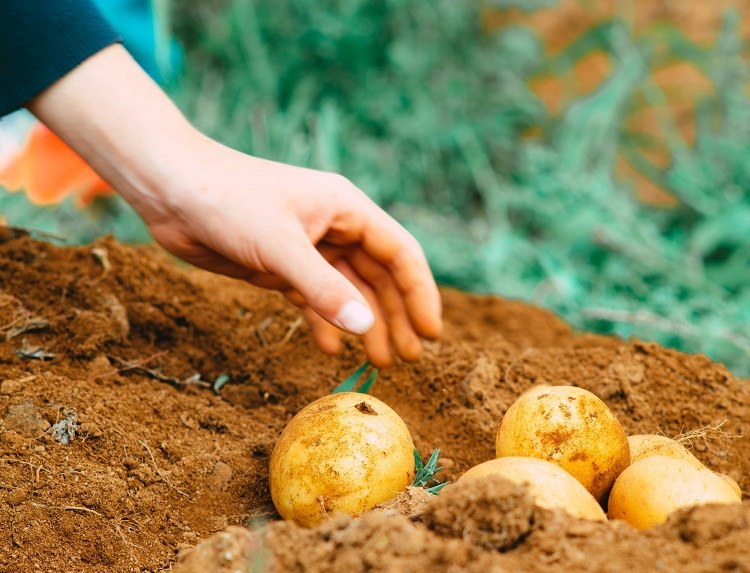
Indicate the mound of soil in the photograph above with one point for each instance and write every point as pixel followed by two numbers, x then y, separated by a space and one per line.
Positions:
pixel 119 453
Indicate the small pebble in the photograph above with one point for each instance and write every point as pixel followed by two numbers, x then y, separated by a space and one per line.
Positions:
pixel 17 497
pixel 9 387
pixel 220 477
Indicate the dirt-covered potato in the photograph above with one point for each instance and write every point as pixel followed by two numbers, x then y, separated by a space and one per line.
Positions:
pixel 733 484
pixel 570 427
pixel 549 485
pixel 342 453
pixel 645 445
pixel 648 491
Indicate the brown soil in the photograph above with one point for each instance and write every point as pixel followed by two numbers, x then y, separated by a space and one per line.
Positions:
pixel 121 345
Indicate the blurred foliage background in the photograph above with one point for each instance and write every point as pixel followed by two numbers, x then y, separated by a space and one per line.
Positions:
pixel 592 157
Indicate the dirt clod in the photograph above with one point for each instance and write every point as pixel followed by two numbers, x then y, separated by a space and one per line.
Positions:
pixel 25 418
pixel 225 552
pixel 410 503
pixel 490 512
pixel 365 408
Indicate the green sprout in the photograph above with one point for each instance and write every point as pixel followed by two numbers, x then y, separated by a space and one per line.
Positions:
pixel 220 381
pixel 349 384
pixel 426 472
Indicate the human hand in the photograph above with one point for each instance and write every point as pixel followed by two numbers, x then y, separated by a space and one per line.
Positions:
pixel 312 235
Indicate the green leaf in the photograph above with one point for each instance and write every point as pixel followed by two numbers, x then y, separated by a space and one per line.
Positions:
pixel 220 381
pixel 367 384
pixel 435 489
pixel 349 384
pixel 351 381
pixel 425 473
pixel 418 464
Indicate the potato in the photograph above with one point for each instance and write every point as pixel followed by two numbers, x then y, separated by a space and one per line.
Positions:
pixel 645 445
pixel 652 488
pixel 570 427
pixel 345 453
pixel 733 484
pixel 549 485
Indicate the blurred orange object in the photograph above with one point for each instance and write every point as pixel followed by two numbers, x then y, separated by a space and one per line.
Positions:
pixel 48 170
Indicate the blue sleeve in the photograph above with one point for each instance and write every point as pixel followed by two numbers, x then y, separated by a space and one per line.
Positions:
pixel 41 41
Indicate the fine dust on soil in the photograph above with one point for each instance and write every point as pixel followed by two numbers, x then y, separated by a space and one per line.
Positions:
pixel 113 349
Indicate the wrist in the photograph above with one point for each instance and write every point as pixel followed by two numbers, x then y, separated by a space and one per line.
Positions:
pixel 155 176
pixel 115 117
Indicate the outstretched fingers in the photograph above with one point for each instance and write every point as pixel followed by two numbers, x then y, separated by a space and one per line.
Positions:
pixel 325 289
pixel 391 303
pixel 377 341
pixel 390 245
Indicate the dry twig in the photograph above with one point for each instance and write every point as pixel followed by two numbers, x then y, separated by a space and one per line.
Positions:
pixel 36 469
pixel 68 508
pixel 259 329
pixel 159 472
pixel 137 366
pixel 130 365
pixel 128 544
pixel 293 327
pixel 101 256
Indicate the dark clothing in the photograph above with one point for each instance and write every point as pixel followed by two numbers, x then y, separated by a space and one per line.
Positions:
pixel 41 41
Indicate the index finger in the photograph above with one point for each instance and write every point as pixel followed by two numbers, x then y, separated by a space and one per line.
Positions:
pixel 386 241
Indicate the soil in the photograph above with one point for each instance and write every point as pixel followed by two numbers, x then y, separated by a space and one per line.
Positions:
pixel 117 454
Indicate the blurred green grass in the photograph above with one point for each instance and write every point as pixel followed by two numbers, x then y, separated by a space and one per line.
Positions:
pixel 429 114
pixel 425 111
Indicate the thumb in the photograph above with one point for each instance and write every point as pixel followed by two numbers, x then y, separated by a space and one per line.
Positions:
pixel 328 292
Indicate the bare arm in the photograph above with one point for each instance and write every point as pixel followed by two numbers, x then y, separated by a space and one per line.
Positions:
pixel 310 234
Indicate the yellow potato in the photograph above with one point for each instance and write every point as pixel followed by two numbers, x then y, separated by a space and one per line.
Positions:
pixel 733 484
pixel 345 453
pixel 549 485
pixel 645 445
pixel 652 488
pixel 570 427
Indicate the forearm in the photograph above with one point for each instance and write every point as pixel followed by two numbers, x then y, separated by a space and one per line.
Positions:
pixel 313 235
pixel 111 113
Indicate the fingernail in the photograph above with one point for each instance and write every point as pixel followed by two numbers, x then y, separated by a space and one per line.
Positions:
pixel 355 317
